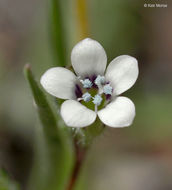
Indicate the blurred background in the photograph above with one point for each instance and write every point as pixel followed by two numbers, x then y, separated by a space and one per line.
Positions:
pixel 138 157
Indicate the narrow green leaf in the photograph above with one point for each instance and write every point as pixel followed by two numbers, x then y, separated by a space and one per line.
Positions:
pixel 57 33
pixel 54 151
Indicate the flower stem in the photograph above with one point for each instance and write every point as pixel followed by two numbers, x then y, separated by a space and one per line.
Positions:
pixel 80 156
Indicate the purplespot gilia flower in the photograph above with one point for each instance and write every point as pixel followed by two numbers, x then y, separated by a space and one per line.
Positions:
pixel 93 90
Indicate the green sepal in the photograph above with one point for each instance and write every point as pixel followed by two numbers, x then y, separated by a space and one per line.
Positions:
pixel 85 136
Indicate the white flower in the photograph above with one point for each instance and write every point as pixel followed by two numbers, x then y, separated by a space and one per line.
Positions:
pixel 92 92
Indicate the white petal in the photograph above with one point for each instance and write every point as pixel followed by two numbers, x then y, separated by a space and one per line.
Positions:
pixel 59 82
pixel 75 114
pixel 119 113
pixel 88 58
pixel 122 73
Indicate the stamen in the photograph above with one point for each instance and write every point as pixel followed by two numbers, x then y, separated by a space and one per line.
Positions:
pixel 101 86
pixel 86 83
pixel 97 99
pixel 107 89
pixel 86 97
pixel 99 80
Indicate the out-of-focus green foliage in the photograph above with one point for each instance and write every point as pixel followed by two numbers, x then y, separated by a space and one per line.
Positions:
pixel 117 25
pixel 153 117
pixel 6 183
pixel 54 168
pixel 57 33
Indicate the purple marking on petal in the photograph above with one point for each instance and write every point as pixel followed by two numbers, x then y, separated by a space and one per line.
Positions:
pixel 87 77
pixel 93 78
pixel 108 97
pixel 78 91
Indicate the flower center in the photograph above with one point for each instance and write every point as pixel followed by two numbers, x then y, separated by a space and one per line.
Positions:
pixel 94 92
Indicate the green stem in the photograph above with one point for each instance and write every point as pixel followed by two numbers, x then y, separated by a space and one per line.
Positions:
pixel 57 33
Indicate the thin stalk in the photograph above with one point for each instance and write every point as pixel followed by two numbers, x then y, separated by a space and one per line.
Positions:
pixel 57 31
pixel 80 157
pixel 82 18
